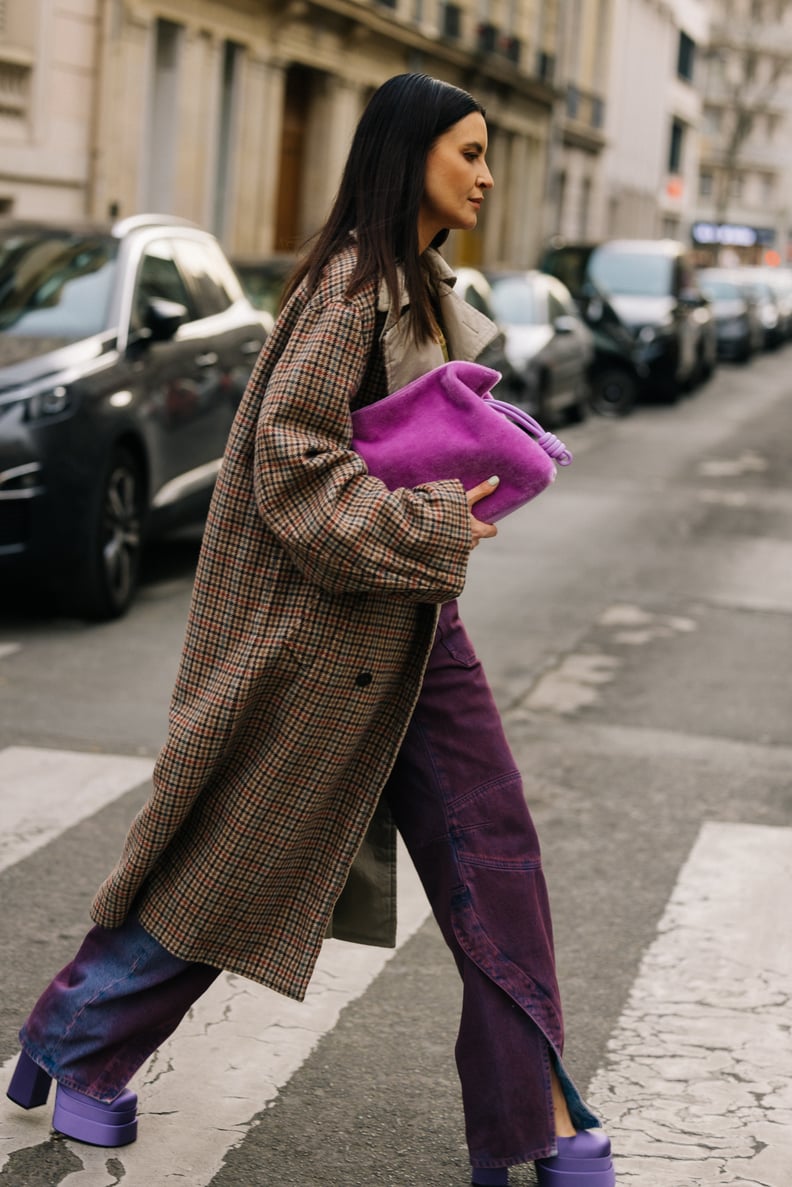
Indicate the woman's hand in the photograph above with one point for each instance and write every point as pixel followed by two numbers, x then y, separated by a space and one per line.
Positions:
pixel 477 527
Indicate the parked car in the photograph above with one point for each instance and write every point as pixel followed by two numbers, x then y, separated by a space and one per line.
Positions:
pixel 774 299
pixel 739 328
pixel 472 286
pixel 264 279
pixel 124 352
pixel 546 341
pixel 651 286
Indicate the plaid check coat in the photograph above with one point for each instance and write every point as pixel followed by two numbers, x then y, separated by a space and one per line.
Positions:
pixel 312 617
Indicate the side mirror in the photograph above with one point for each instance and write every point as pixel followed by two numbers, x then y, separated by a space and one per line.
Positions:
pixel 163 318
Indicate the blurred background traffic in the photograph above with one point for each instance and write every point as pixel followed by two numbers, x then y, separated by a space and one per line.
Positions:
pixel 639 235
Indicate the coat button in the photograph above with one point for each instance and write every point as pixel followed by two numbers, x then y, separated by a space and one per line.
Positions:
pixel 363 678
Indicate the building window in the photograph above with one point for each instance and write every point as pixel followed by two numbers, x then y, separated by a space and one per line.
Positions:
pixel 584 207
pixel 452 21
pixel 226 125
pixel 686 57
pixel 712 117
pixel 560 197
pixel 706 184
pixel 676 146
pixel 163 116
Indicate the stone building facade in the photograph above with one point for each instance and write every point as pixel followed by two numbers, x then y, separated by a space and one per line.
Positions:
pixel 239 114
pixel 48 106
pixel 650 163
pixel 607 117
pixel 743 206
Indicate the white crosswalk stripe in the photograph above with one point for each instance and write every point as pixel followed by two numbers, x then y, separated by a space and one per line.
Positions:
pixel 213 1045
pixel 696 1090
pixel 698 1086
pixel 43 792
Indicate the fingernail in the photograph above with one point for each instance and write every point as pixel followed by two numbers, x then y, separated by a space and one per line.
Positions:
pixel 494 480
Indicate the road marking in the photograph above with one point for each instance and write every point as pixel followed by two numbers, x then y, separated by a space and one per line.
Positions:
pixel 225 1064
pixel 44 792
pixel 698 1085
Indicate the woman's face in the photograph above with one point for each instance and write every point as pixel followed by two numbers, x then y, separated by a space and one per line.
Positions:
pixel 455 179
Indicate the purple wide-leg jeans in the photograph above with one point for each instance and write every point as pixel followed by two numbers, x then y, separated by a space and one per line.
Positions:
pixel 458 802
pixel 457 799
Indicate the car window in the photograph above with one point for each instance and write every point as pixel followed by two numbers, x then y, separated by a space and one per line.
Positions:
pixel 569 265
pixel 264 282
pixel 55 285
pixel 210 276
pixel 631 273
pixel 720 290
pixel 159 276
pixel 517 301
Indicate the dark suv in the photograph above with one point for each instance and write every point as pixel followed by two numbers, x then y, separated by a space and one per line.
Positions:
pixel 651 288
pixel 124 352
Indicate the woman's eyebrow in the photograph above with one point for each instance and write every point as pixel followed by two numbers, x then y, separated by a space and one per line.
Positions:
pixel 474 144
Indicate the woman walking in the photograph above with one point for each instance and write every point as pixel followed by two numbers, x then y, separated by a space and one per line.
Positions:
pixel 328 694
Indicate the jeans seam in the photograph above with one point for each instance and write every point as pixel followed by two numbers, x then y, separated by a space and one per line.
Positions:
pixel 97 996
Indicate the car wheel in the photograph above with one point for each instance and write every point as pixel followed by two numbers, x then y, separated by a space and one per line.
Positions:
pixel 111 559
pixel 613 391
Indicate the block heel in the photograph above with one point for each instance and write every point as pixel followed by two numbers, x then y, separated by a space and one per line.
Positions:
pixel 30 1084
pixel 93 1121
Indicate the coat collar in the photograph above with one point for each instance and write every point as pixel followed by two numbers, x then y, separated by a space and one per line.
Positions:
pixel 467 331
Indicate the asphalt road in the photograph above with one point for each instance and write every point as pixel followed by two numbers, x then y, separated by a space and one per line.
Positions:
pixel 635 625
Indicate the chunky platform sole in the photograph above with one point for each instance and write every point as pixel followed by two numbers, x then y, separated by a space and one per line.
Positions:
pixel 94 1122
pixel 582 1161
pixel 30 1084
pixel 555 1177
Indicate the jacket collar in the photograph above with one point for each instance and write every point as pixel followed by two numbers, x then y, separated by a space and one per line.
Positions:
pixel 467 331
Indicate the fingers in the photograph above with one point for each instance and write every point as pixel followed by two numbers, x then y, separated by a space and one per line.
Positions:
pixel 481 531
pixel 482 490
pixel 478 528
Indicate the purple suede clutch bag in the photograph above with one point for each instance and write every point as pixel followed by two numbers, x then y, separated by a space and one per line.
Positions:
pixel 446 424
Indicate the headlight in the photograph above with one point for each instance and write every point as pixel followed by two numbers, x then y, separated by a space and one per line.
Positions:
pixel 50 401
pixel 39 403
pixel 656 330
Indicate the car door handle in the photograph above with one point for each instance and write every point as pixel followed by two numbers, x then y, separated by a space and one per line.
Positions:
pixel 252 346
pixel 207 360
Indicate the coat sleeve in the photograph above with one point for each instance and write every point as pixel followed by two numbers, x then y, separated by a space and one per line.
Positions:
pixel 342 527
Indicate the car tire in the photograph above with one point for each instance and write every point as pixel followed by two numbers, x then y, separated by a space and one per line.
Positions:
pixel 614 391
pixel 110 564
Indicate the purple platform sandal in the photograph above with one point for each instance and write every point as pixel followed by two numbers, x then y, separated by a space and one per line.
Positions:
pixel 581 1161
pixel 76 1115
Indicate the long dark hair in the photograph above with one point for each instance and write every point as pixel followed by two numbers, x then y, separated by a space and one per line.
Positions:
pixel 381 189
